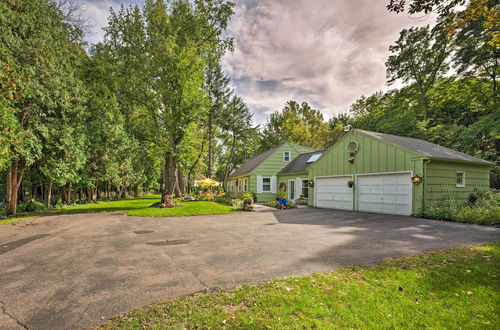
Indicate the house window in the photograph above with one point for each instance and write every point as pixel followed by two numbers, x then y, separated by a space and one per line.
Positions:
pixel 245 184
pixel 460 179
pixel 305 189
pixel 266 184
pixel 286 156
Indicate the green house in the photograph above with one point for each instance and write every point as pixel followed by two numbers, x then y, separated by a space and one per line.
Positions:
pixel 259 174
pixel 376 172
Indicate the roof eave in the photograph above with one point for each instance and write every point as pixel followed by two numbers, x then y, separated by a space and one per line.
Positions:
pixel 463 161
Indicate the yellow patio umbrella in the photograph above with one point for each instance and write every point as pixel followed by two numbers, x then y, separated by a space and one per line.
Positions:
pixel 207 183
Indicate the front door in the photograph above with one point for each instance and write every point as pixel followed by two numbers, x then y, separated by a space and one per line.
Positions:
pixel 291 190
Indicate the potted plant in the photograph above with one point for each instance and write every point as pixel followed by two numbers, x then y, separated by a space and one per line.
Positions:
pixel 281 195
pixel 350 183
pixel 247 200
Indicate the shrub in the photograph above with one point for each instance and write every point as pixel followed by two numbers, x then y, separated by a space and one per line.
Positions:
pixel 31 206
pixel 207 196
pixel 436 213
pixel 475 195
pixel 237 205
pixel 477 214
pixel 483 209
pixel 271 204
pixel 247 197
pixel 275 204
pixel 3 210
pixel 281 194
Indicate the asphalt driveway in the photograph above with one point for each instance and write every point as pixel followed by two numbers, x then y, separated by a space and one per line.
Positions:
pixel 76 271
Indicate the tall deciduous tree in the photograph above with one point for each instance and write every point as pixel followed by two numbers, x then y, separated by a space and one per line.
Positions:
pixel 217 85
pixel 162 54
pixel 296 123
pixel 419 57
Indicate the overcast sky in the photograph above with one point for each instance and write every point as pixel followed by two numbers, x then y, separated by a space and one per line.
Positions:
pixel 325 52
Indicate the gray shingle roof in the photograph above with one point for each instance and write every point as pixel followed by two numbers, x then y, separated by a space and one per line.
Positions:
pixel 424 148
pixel 299 164
pixel 253 162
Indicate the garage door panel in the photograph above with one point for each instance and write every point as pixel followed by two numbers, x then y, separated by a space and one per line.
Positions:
pixel 334 193
pixel 386 193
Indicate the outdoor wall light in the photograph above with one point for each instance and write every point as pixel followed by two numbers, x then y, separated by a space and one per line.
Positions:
pixel 311 183
pixel 416 179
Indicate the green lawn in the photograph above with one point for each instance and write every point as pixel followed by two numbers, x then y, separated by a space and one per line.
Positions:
pixel 449 289
pixel 136 207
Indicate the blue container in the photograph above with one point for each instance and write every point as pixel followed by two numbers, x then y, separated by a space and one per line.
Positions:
pixel 282 202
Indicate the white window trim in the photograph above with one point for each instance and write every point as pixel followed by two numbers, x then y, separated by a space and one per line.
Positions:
pixel 245 184
pixel 270 184
pixel 289 156
pixel 462 185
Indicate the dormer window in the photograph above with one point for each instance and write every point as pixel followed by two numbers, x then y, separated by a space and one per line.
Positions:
pixel 287 155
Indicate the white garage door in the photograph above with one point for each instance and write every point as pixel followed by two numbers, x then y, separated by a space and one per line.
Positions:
pixel 334 193
pixel 386 193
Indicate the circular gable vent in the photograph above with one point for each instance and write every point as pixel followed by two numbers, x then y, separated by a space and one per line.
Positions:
pixel 352 147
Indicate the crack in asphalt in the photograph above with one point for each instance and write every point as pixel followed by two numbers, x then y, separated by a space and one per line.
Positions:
pixel 4 311
pixel 187 270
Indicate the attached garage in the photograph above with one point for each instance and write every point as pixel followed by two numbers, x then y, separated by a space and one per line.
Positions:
pixel 383 173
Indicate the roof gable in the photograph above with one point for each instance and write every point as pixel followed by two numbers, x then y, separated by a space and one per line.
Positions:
pixel 424 148
pixel 254 162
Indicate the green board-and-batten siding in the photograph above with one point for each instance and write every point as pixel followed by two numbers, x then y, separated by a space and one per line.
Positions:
pixel 440 181
pixel 378 156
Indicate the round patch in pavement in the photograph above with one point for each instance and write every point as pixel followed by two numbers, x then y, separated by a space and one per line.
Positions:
pixel 139 232
pixel 170 242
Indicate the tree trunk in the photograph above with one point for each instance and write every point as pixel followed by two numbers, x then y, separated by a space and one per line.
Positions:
pixel 210 137
pixel 7 192
pixel 68 194
pixel 172 173
pixel 16 177
pixel 191 169
pixel 165 172
pixel 49 193
pixel 180 179
pixel 229 160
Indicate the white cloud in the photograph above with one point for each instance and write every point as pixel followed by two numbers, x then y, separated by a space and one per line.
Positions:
pixel 97 12
pixel 325 52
